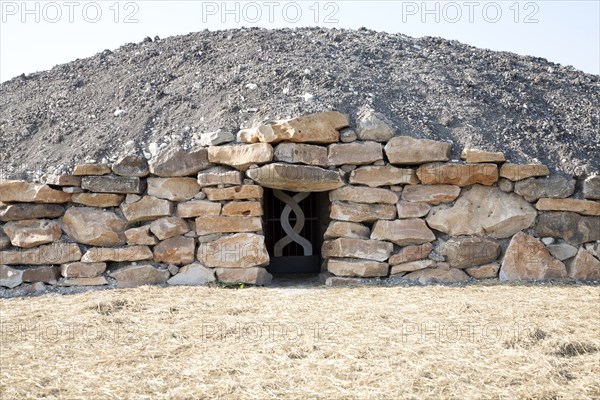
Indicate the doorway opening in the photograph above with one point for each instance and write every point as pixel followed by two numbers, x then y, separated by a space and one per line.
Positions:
pixel 295 224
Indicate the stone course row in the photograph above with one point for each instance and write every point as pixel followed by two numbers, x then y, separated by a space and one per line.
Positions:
pixel 400 210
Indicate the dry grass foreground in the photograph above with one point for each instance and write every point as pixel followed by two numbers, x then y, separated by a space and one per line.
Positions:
pixel 475 342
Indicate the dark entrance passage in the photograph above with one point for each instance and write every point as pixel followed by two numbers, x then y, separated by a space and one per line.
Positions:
pixel 293 232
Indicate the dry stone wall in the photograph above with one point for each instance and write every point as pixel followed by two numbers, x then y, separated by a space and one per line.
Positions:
pixel 400 211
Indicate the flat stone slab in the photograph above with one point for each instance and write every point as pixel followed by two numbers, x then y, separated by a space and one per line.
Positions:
pixel 24 192
pixel 532 189
pixel 174 161
pixel 320 127
pixel 480 156
pixel 242 250
pixel 174 189
pixel 32 232
pixel 94 227
pixel 430 194
pixel 355 153
pixel 148 208
pixel 245 192
pixel 300 153
pixel 138 275
pixel 387 175
pixel 221 224
pixel 296 178
pixel 406 150
pixel 517 172
pixel 359 194
pixel 357 248
pixel 357 268
pixel 583 207
pixel 359 212
pixel 51 254
pixel 112 184
pixel 458 174
pixel 16 212
pixel 571 227
pixel 403 232
pixel 241 156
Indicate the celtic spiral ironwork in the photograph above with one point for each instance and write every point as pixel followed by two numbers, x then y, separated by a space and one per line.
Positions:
pixel 293 234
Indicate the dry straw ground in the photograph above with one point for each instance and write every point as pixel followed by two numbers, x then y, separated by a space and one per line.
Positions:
pixel 515 342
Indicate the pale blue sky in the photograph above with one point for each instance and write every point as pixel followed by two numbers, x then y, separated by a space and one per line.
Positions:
pixel 566 32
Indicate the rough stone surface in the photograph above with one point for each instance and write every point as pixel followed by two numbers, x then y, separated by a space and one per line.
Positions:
pixel 252 276
pixel 242 250
pixel 532 189
pixel 373 126
pixel 91 169
pixel 411 266
pixel 584 267
pixel 359 268
pixel 245 192
pixel 470 251
pixel 243 209
pixel 4 240
pixel 297 178
pixel 175 250
pixel 486 271
pixel 352 230
pixel 348 135
pixel 46 274
pixel 583 207
pixel 21 191
pixel 16 212
pixel 216 138
pixel 82 270
pixel 403 232
pixel 148 208
pixel 430 194
pixel 241 156
pixel 220 224
pixel 505 185
pixel 96 281
pixel 193 275
pixel 483 211
pixel 63 180
pixel 112 184
pixel 174 161
pixel 480 156
pixel 527 258
pixel 562 251
pixel 594 249
pixel 571 227
pixel 219 176
pixel 320 127
pixel 517 172
pixel 167 227
pixel 458 174
pixel 406 150
pixel 357 212
pixel 117 254
pixel 299 153
pixel 140 236
pixel 55 253
pixel 374 176
pixel 357 248
pixel 10 277
pixel 94 227
pixel 407 209
pixel 174 189
pixel 411 253
pixel 437 275
pixel 32 232
pixel 98 199
pixel 131 165
pixel 356 153
pixel 359 194
pixel 591 187
pixel 138 275
pixel 197 208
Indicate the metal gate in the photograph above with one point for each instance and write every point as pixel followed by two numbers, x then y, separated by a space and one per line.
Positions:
pixel 292 232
